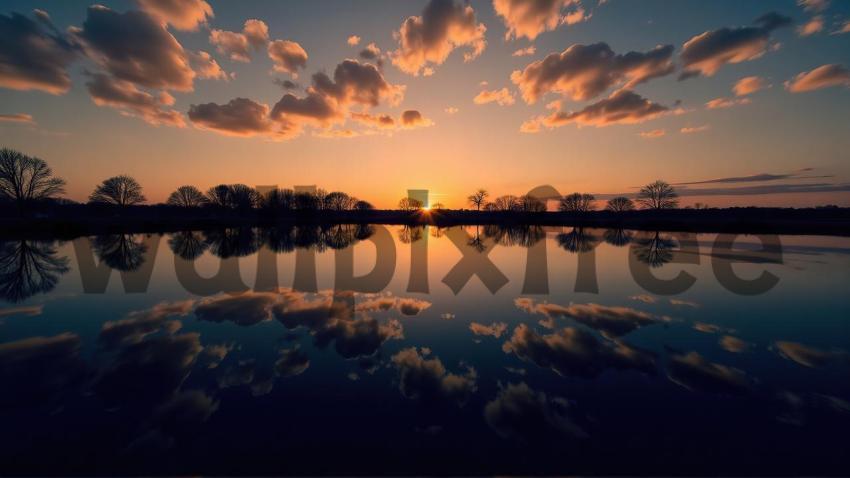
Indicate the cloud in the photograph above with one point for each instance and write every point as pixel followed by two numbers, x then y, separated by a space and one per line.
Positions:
pixel 428 380
pixel 814 25
pixel 582 72
pixel 823 76
pixel 530 18
pixel 693 372
pixel 845 28
pixel 622 107
pixel 181 14
pixel 238 45
pixel 34 55
pixel 722 103
pixel 707 52
pixel 286 84
pixel 451 110
pixel 430 38
pixel 766 189
pixel 38 370
pixel 239 117
pixel 245 309
pixel 496 329
pixel 131 101
pixel 749 85
pixel 813 5
pixel 291 362
pixel 135 47
pixel 378 121
pixel 808 356
pixel 652 134
pixel 371 52
pixel 353 40
pixel 17 118
pixel 407 306
pixel 141 324
pixel 611 321
pixel 414 119
pixel 528 51
pixel 522 414
pixel 205 66
pixel 358 83
pixel 694 129
pixel 287 56
pixel 213 354
pixel 684 303
pixel 575 352
pixel 754 178
pixel 503 97
pixel 733 344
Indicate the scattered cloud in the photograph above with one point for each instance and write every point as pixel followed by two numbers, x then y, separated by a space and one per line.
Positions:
pixel 496 329
pixel 808 356
pixel 823 76
pixel 353 40
pixel 17 118
pixel 749 85
pixel 33 54
pixel 684 303
pixel 654 133
pixel 522 414
pixel 622 107
pixel 733 344
pixel 611 321
pixel 428 39
pixel 371 52
pixel 694 129
pixel 239 117
pixel 238 45
pixel 527 51
pixel 813 5
pixel 428 380
pixel 181 14
pixel 814 25
pixel 706 53
pixel 131 101
pixel 583 72
pixel 451 110
pixel 206 67
pixel 502 97
pixel 530 18
pixel 693 372
pixel 287 56
pixel 414 119
pixel 722 103
pixel 26 310
pixel 406 305
pixel 755 178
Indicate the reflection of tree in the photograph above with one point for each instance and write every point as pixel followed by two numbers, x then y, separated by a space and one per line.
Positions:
pixel 476 242
pixel 411 234
pixel 654 249
pixel 578 240
pixel 437 232
pixel 280 239
pixel 28 268
pixel 308 236
pixel 123 252
pixel 339 236
pixel 617 237
pixel 523 236
pixel 364 231
pixel 188 244
pixel 233 242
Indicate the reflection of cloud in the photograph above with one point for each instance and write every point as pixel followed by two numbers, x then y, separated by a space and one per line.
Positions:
pixel 520 413
pixel 529 18
pixel 806 355
pixel 684 303
pixel 733 344
pixel 245 309
pixel 214 354
pixel 27 311
pixel 184 410
pixel 707 52
pixel 406 305
pixel 140 324
pixel 496 329
pixel 706 328
pixel 428 380
pixel 582 72
pixel 431 37
pixel 697 374
pixel 575 352
pixel 646 299
pixel 611 321
pixel 291 362
pixel 37 369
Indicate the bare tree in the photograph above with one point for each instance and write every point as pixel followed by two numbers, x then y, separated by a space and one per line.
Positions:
pixel 339 201
pixel 24 179
pixel 278 200
pixel 187 196
pixel 620 204
pixel 577 202
pixel 478 198
pixel 363 206
pixel 506 203
pixel 120 190
pixel 242 197
pixel 531 204
pixel 409 204
pixel 658 195
pixel 217 195
pixel 438 206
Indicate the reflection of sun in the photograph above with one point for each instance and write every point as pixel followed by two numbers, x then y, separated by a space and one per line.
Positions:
pixel 426 208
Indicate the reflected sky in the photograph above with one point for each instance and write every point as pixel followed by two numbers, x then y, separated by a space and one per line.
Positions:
pixel 399 350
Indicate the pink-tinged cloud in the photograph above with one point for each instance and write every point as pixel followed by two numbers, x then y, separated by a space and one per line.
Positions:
pixel 206 67
pixel 722 103
pixel 652 134
pixel 17 118
pixel 694 129
pixel 495 330
pixel 353 40
pixel 582 72
pixel 428 39
pixel 239 117
pixel 414 119
pixel 377 121
pixel 528 51
pixel 371 52
pixel 287 56
pixel 622 107
pixel 814 25
pixel 135 47
pixel 707 52
pixel 813 5
pixel 33 58
pixel 530 18
pixel 238 45
pixel 181 14
pixel 823 76
pixel 131 101
pixel 749 85
pixel 502 97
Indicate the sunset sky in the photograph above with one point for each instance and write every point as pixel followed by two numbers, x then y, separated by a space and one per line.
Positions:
pixel 378 97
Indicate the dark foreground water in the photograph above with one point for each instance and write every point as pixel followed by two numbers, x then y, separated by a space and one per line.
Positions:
pixel 391 350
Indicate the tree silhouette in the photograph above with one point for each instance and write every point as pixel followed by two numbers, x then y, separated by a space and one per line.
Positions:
pixel 217 196
pixel 438 206
pixel 119 190
pixel 363 206
pixel 278 200
pixel 28 268
pixel 658 195
pixel 24 179
pixel 478 198
pixel 305 201
pixel 339 201
pixel 506 203
pixel 242 197
pixel 620 204
pixel 186 196
pixel 409 204
pixel 577 202
pixel 529 203
pixel 122 252
pixel 654 249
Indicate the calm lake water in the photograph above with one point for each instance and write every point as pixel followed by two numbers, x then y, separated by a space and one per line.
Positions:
pixel 395 350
